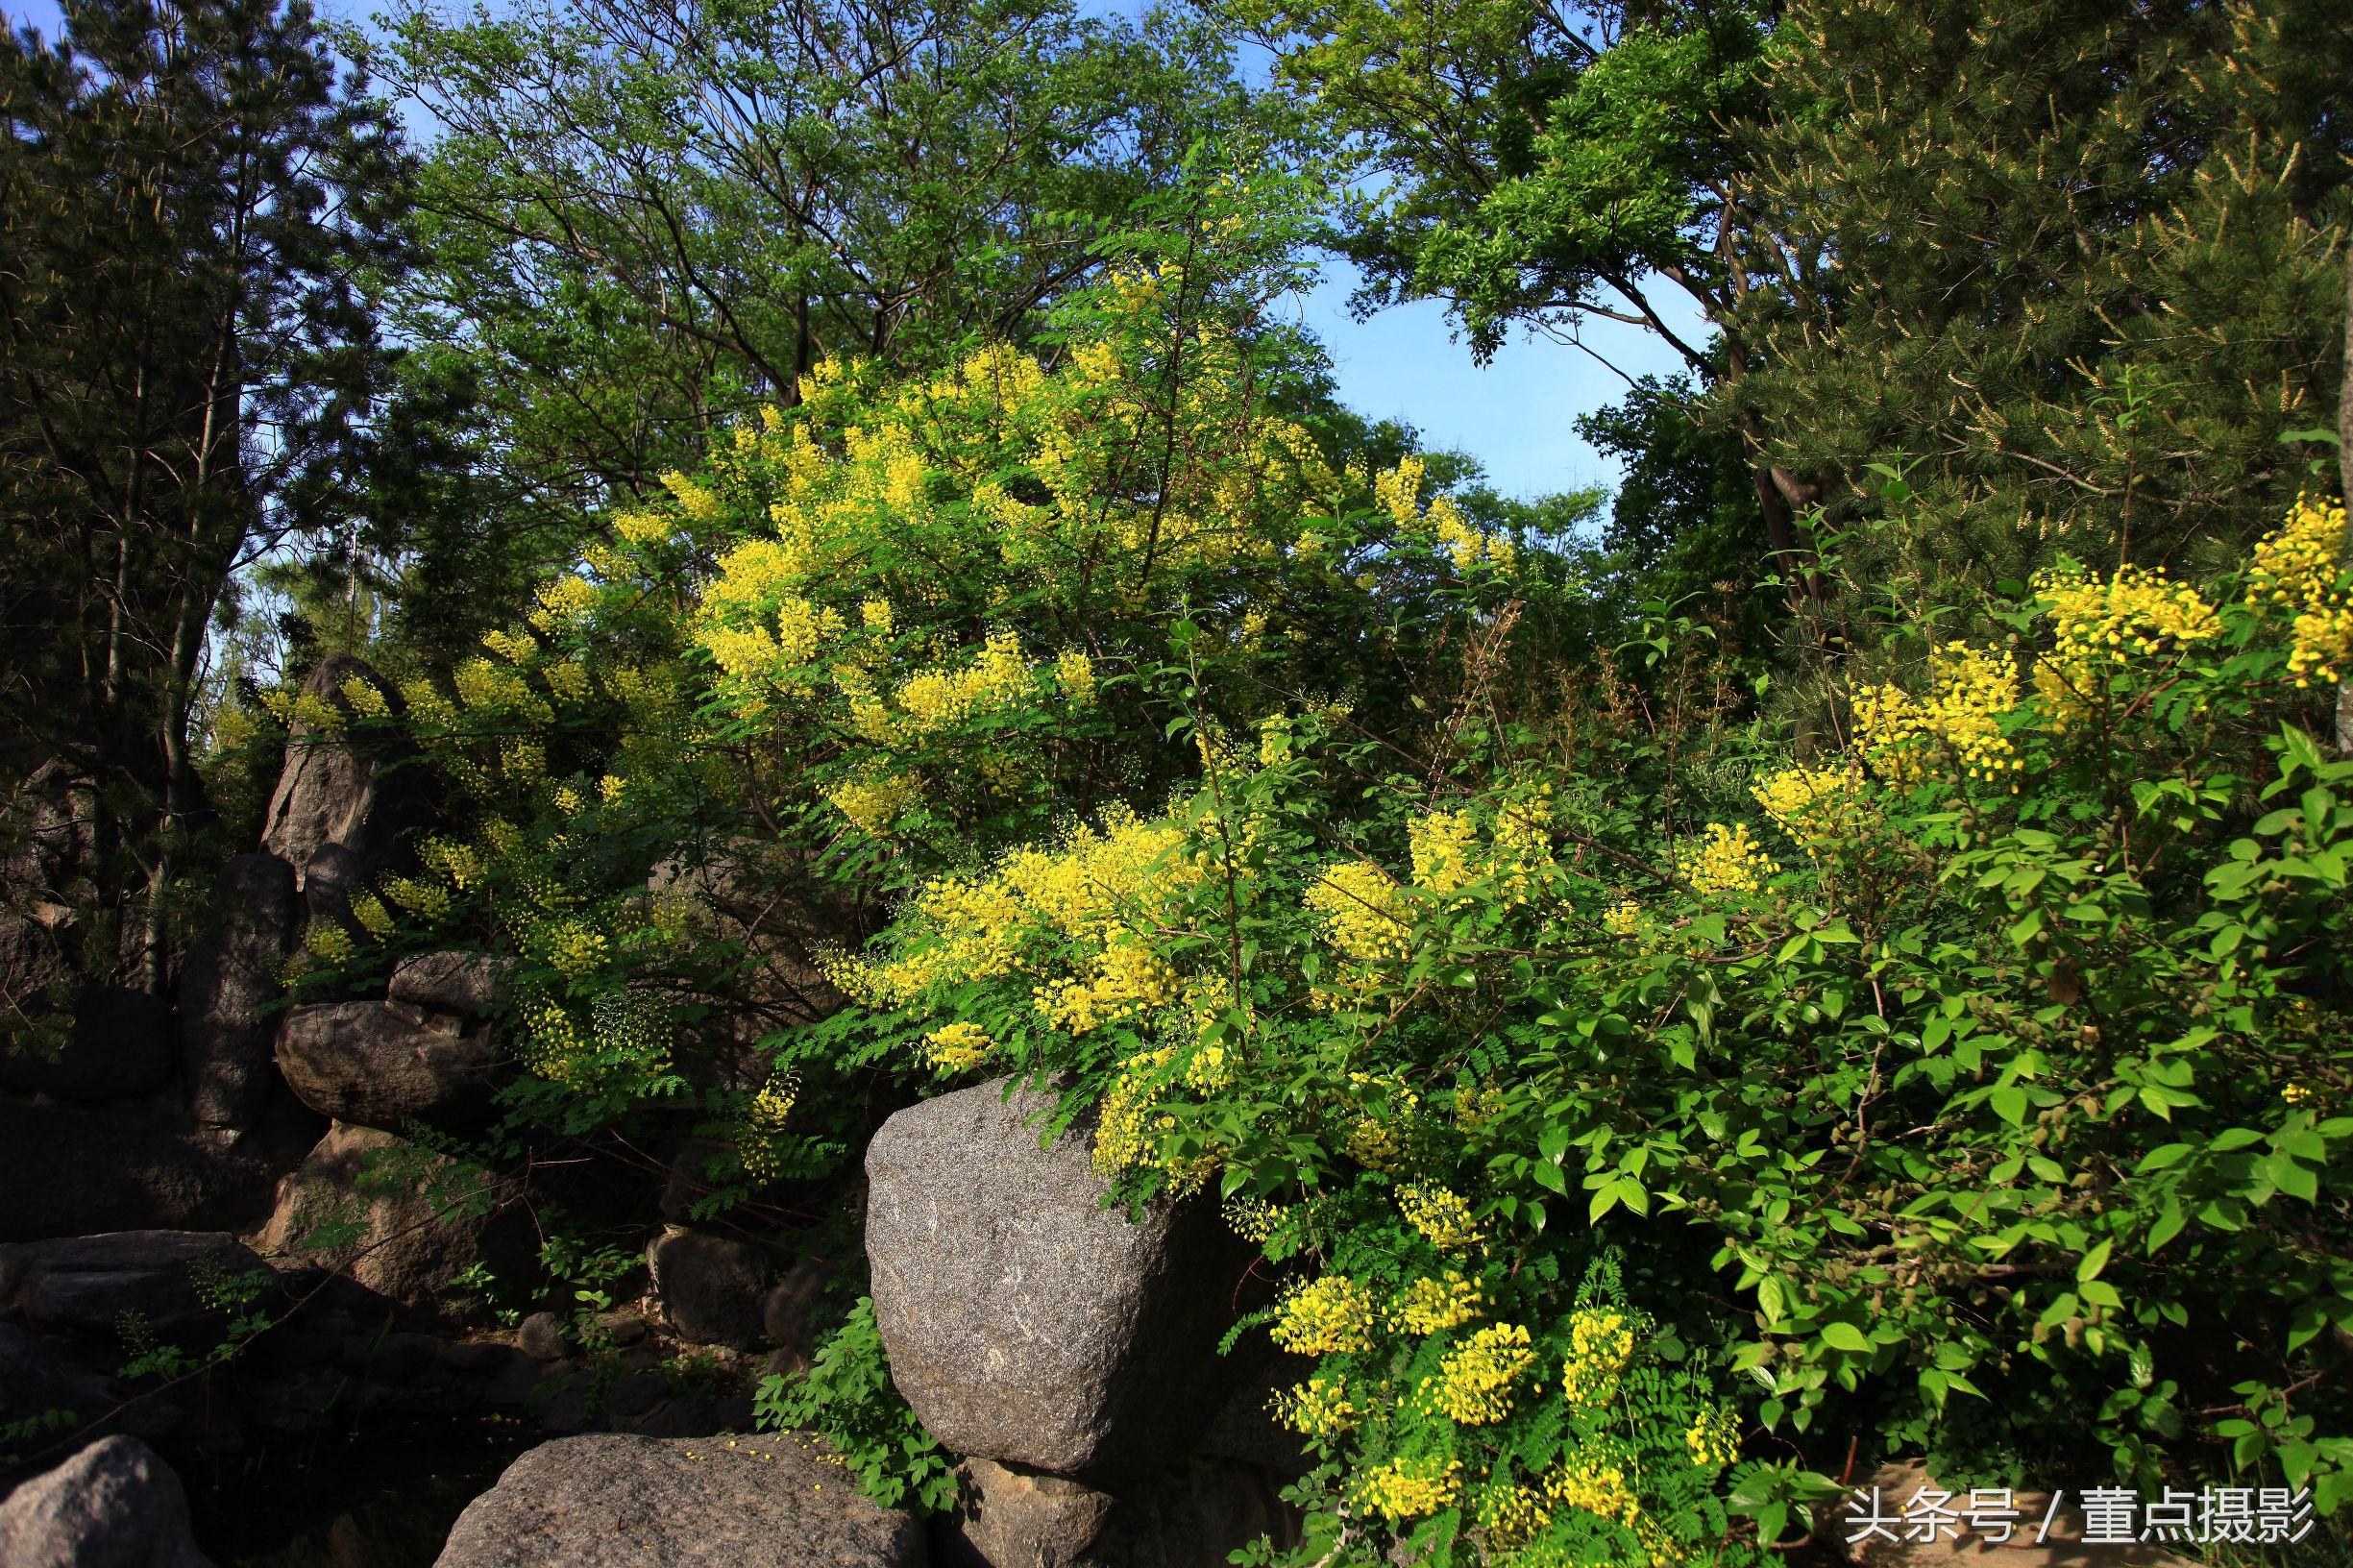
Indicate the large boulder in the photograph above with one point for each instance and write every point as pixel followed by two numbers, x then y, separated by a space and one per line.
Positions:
pixel 397 1220
pixel 113 1505
pixel 170 1280
pixel 73 1170
pixel 1025 1321
pixel 332 791
pixel 230 976
pixel 710 1286
pixel 1191 1516
pixel 118 1047
pixel 361 1062
pixel 460 984
pixel 610 1501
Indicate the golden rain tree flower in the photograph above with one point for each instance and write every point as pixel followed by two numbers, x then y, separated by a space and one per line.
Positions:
pixel 874 804
pixel 1431 1306
pixel 1075 670
pixel 1473 1383
pixel 2300 566
pixel 1330 1315
pixel 366 699
pixel 1724 860
pixel 1253 1219
pixel 1713 1440
pixel 1511 1514
pixel 1320 1407
pixel 1601 1347
pixel 1816 806
pixel 1972 690
pixel 2101 626
pixel 1441 1214
pixel 329 943
pixel 957 1047
pixel 373 917
pixel 1596 1483
pixel 1444 847
pixel 1622 919
pixel 1409 1486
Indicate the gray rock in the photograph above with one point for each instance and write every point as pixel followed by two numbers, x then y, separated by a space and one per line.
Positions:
pixel 72 1169
pixel 710 1287
pixel 118 1047
pixel 788 1312
pixel 332 877
pixel 114 1505
pixel 331 790
pixel 615 1501
pixel 466 985
pixel 82 1285
pixel 229 976
pixel 397 1220
pixel 1026 1322
pixel 1191 1516
pixel 359 1062
pixel 541 1336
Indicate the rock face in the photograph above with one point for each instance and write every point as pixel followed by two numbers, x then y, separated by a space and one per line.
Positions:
pixel 331 791
pixel 71 1169
pixel 464 985
pixel 359 1062
pixel 114 1505
pixel 711 1287
pixel 628 1502
pixel 1191 1516
pixel 413 1239
pixel 230 973
pixel 1025 1322
pixel 120 1048
pixel 82 1285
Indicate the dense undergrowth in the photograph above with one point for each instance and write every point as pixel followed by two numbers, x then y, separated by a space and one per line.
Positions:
pixel 1654 1093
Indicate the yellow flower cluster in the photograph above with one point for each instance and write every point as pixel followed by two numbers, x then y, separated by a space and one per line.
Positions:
pixel 1816 806
pixel 2101 625
pixel 642 528
pixel 1398 493
pixel 329 943
pixel 1594 1483
pixel 1253 1219
pixel 1441 1214
pixel 1971 690
pixel 874 804
pixel 365 698
pixel 1365 915
pixel 373 917
pixel 1075 670
pixel 1713 1440
pixel 957 1047
pixel 422 899
pixel 696 500
pixel 1724 860
pixel 566 599
pixel 1409 1486
pixel 1319 1408
pixel 1431 1306
pixel 307 709
pixel 573 947
pixel 461 864
pixel 1473 1385
pixel 1125 979
pixel 1330 1315
pixel 1601 1347
pixel 1622 919
pixel 943 699
pixel 2300 566
pixel 1444 846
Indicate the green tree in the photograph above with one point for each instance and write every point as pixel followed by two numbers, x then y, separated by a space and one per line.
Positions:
pixel 2074 268
pixel 645 219
pixel 193 198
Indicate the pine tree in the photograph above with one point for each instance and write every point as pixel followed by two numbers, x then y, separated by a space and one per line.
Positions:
pixel 2073 267
pixel 193 198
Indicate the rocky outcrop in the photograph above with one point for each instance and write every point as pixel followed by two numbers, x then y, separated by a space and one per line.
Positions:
pixel 361 1062
pixel 113 1505
pixel 331 790
pixel 629 1501
pixel 118 1047
pixel 83 1285
pixel 71 1170
pixel 1026 1322
pixel 467 986
pixel 710 1286
pixel 1191 1516
pixel 230 976
pixel 406 1238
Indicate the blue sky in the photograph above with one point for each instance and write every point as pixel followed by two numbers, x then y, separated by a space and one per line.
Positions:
pixel 1515 414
